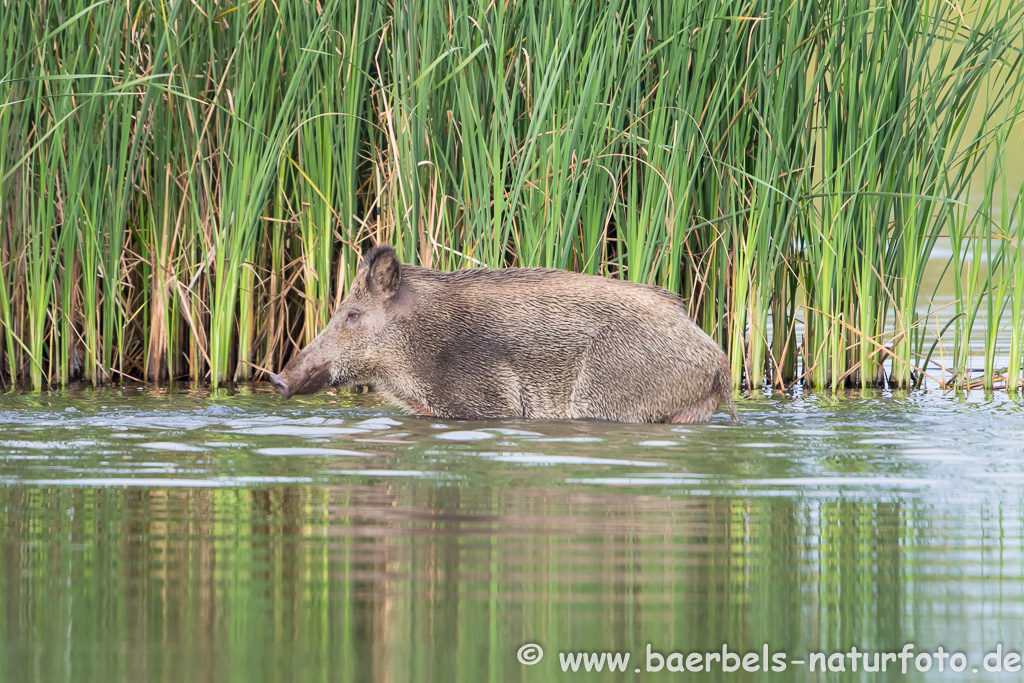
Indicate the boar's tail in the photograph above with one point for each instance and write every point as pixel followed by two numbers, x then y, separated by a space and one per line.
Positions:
pixel 724 381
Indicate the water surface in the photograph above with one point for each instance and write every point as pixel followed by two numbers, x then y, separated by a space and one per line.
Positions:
pixel 154 535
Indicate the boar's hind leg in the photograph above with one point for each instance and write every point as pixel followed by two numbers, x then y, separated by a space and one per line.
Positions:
pixel 703 408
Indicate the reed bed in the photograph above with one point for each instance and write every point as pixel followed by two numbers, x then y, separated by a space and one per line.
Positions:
pixel 185 187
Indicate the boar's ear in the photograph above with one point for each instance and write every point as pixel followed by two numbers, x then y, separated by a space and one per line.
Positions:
pixel 383 271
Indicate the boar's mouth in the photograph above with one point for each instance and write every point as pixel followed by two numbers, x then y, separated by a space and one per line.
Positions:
pixel 287 384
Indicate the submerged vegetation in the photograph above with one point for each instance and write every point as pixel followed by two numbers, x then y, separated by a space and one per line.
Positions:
pixel 185 187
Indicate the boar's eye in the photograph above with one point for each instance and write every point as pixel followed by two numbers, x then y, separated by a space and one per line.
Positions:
pixel 351 316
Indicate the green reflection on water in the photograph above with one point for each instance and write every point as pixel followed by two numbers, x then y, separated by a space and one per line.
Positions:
pixel 813 526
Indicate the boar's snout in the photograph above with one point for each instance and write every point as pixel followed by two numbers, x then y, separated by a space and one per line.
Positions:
pixel 281 384
pixel 301 376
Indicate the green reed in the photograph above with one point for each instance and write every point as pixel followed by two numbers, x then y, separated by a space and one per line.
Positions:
pixel 1013 215
pixel 185 188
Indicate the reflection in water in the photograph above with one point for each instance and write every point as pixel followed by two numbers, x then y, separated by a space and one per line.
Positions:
pixel 205 551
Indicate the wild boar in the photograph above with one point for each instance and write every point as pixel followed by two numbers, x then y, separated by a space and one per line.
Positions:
pixel 517 342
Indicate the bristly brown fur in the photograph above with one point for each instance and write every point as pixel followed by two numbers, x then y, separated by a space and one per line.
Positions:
pixel 518 342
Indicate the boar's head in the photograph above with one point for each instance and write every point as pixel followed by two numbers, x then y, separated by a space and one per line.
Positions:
pixel 345 351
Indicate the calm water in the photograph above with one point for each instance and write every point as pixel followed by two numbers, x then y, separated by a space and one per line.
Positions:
pixel 155 536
